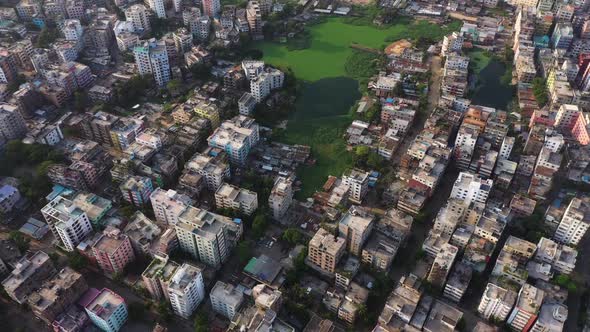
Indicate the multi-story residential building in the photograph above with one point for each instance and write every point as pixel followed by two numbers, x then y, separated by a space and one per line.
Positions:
pixel 158 7
pixel 563 35
pixel 281 197
pixel 226 299
pixel 403 301
pixel 157 276
pixel 56 294
pixel 72 30
pixel 9 196
pixel 574 223
pixel 107 310
pixel 496 302
pixel 207 236
pixel 236 137
pixel 124 132
pixel 27 275
pixel 261 86
pixel 379 251
pixel 183 40
pixel 67 221
pixel 246 104
pixel 137 190
pixel 254 18
pixel 211 8
pixel 93 205
pixel 506 148
pixel 213 168
pixel 552 317
pixel 186 290
pixel 358 182
pixel 562 258
pixel 152 58
pixel 325 250
pixel 231 197
pixel 442 317
pixel 113 251
pixel 168 205
pixel 458 282
pixel 442 264
pixel 12 124
pixel 355 227
pixel 527 308
pixel 139 17
pixel 471 188
pixel 208 110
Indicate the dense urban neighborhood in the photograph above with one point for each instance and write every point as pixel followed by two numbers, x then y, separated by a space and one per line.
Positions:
pixel 295 165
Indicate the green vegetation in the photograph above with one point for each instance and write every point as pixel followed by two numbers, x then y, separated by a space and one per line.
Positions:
pixel 47 36
pixel 244 251
pixel 331 40
pixel 201 323
pixel 479 59
pixel 76 261
pixel 566 282
pixel 361 65
pixel 292 236
pixel 22 243
pixel 540 91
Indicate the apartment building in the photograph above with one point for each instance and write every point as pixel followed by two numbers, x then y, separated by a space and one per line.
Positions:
pixel 226 299
pixel 9 196
pixel 325 250
pixel 27 275
pixel 574 223
pixel 67 221
pixel 236 137
pixel 496 302
pixel 151 57
pixel 56 294
pixel 158 7
pixel 561 258
pixel 526 308
pixel 157 276
pixel 358 182
pixel 379 252
pixel 113 251
pixel 254 18
pixel 281 197
pixel 136 190
pixel 186 290
pixel 471 188
pixel 168 205
pixel 139 17
pixel 231 197
pixel 458 282
pixel 552 317
pixel 207 110
pixel 207 236
pixel 107 310
pixel 270 79
pixel 356 227
pixel 246 104
pixel 403 301
pixel 12 124
pixel 211 8
pixel 442 264
pixel 213 168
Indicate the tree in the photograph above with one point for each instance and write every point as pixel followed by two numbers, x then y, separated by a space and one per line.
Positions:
pixel 174 87
pixel 259 225
pixel 292 236
pixel 22 243
pixel 47 36
pixel 244 251
pixel 80 100
pixel 77 261
pixel 540 91
pixel 136 311
pixel 164 311
pixel 201 323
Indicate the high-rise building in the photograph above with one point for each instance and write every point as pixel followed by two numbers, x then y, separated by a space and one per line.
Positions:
pixel 226 299
pixel 186 290
pixel 236 137
pixel 152 58
pixel 358 182
pixel 254 18
pixel 207 236
pixel 270 79
pixel 355 226
pixel 107 310
pixel 211 8
pixel 325 250
pixel 168 205
pixel 68 222
pixel 281 197
pixel 113 251
pixel 231 197
pixel 158 274
pixel 12 124
pixel 496 302
pixel 527 308
pixel 73 30
pixel 574 223
pixel 157 6
pixel 139 17
pixel 213 168
pixel 471 188
pixel 137 190
pixel 28 274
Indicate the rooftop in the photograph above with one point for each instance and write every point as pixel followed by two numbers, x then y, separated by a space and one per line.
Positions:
pixel 105 303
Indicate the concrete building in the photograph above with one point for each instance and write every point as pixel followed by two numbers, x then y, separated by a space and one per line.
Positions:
pixel 442 265
pixel 355 227
pixel 139 17
pixel 186 290
pixel 158 7
pixel 9 196
pixel 551 318
pixel 254 18
pixel 27 275
pixel 93 205
pixel 358 181
pixel 496 302
pixel 528 305
pixel 458 282
pixel 403 301
pixel 281 197
pixel 236 137
pixel 246 104
pixel 107 310
pixel 207 236
pixel 144 235
pixel 113 251
pixel 152 58
pixel 56 294
pixel 442 318
pixel 231 197
pixel 379 252
pixel 561 258
pixel 12 124
pixel 471 188
pixel 168 205
pixel 137 190
pixel 157 276
pixel 574 222
pixel 325 250
pixel 214 169
pixel 270 79
pixel 211 8
pixel 67 221
pixel 226 299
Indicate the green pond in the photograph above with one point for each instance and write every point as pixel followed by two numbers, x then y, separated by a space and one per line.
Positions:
pixel 492 87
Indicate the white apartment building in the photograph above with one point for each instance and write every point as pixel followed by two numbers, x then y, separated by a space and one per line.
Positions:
pixel 198 24
pixel 72 30
pixel 9 196
pixel 551 318
pixel 281 197
pixel 186 290
pixel 496 302
pixel 12 124
pixel 211 7
pixel 158 7
pixel 506 148
pixel 270 79
pixel 226 299
pixel 236 137
pixel 207 236
pixel 139 17
pixel 246 104
pixel 471 188
pixel 527 307
pixel 168 205
pixel 213 169
pixel 561 258
pixel 152 58
pixel 231 197
pixel 355 226
pixel 358 182
pixel 67 222
pixel 252 68
pixel 574 223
